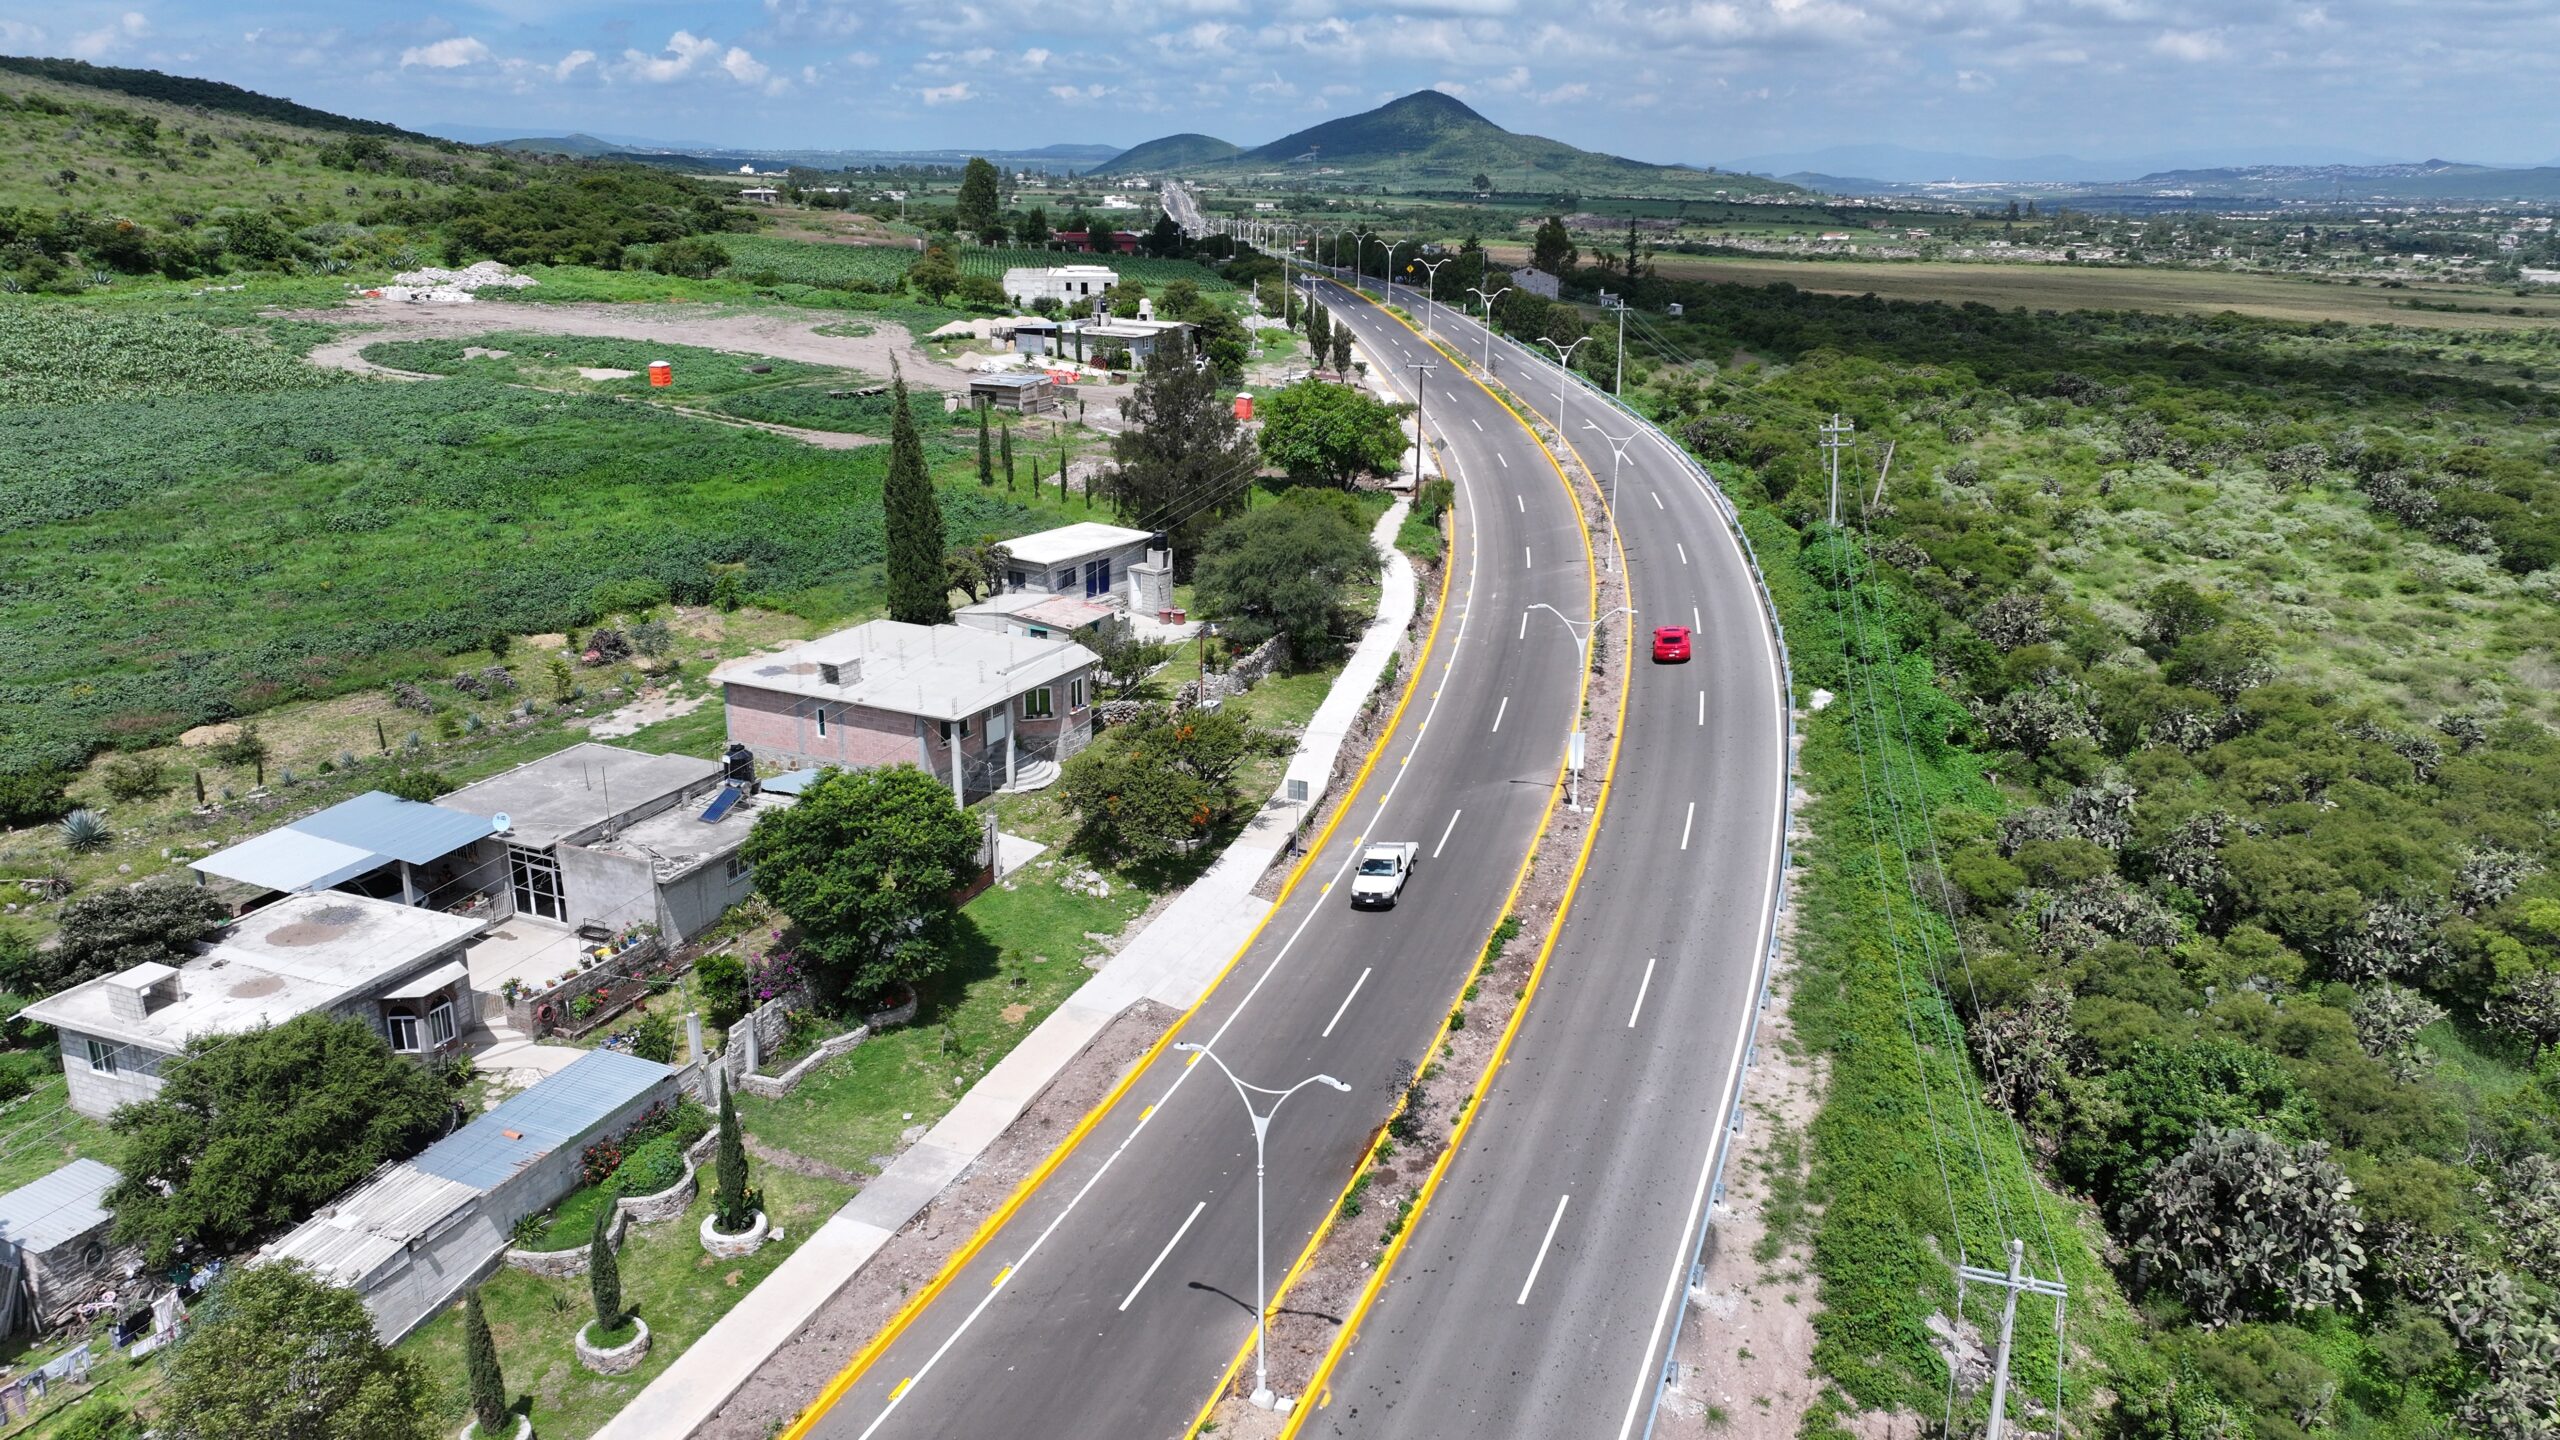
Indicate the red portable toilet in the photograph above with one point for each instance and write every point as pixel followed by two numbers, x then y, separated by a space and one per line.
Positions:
pixel 661 374
pixel 1244 405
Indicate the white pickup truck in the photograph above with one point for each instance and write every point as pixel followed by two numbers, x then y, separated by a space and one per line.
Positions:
pixel 1383 870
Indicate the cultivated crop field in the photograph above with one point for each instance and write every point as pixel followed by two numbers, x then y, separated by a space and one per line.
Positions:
pixel 2068 287
pixel 174 558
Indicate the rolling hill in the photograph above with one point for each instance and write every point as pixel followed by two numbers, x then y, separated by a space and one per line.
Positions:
pixel 196 94
pixel 1171 152
pixel 1430 141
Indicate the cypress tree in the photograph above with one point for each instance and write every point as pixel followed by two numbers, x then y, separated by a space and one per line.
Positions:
pixel 604 1275
pixel 731 1210
pixel 1004 442
pixel 480 1359
pixel 919 584
pixel 986 456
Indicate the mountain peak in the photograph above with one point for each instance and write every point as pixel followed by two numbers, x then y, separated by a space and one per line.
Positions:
pixel 1431 102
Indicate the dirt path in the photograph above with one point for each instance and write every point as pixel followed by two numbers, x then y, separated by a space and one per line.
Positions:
pixel 710 327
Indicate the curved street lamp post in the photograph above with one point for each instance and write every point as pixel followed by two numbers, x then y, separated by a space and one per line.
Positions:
pixel 1262 1396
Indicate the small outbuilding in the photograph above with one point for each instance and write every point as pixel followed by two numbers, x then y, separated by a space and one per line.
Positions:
pixel 55 1255
pixel 1023 392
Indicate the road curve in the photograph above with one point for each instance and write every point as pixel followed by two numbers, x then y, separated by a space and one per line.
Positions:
pixel 1539 1294
pixel 1114 1296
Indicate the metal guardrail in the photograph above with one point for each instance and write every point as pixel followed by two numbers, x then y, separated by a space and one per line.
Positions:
pixel 1743 1058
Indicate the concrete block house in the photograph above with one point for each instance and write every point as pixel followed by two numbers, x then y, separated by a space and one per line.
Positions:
pixel 981 710
pixel 1107 564
pixel 399 968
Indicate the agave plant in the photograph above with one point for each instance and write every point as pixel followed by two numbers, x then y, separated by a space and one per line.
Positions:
pixel 84 830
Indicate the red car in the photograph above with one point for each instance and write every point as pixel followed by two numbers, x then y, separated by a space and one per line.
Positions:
pixel 1671 645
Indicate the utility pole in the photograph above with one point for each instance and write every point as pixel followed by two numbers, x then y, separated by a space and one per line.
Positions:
pixel 1618 386
pixel 1881 472
pixel 2016 1282
pixel 1423 370
pixel 1835 438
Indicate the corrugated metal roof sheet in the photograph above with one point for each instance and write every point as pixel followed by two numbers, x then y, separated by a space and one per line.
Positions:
pixel 373 1223
pixel 526 1127
pixel 401 829
pixel 289 860
pixel 346 840
pixel 45 1212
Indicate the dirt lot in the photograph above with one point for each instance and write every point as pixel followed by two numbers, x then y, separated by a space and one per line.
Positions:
pixel 805 1363
pixel 782 335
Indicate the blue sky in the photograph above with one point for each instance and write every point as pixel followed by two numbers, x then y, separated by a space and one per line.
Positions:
pixel 1688 80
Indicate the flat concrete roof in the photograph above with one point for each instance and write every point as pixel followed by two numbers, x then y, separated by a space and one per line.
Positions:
pixel 677 841
pixel 1067 612
pixel 303 953
pixel 570 793
pixel 1072 542
pixel 940 672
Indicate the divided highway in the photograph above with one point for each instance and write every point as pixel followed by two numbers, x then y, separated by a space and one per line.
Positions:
pixel 1111 1301
pixel 1539 1293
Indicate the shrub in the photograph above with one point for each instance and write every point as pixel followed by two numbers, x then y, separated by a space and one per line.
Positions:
pixel 116 930
pixel 245 749
pixel 2242 1223
pixel 650 1168
pixel 136 778
pixel 33 797
pixel 416 782
pixel 722 976
pixel 655 1038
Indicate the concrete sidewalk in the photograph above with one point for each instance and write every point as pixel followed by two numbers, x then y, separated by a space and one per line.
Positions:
pixel 1173 961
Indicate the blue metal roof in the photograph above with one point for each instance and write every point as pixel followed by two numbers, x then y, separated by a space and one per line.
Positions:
pixel 791 782
pixel 61 1206
pixel 290 860
pixel 556 1112
pixel 350 838
pixel 401 829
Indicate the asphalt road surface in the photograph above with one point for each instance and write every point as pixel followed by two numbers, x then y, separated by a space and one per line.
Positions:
pixel 1537 1295
pixel 1113 1299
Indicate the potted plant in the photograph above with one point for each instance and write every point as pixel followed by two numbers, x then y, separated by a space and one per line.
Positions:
pixel 736 1225
pixel 616 1340
pixel 489 1414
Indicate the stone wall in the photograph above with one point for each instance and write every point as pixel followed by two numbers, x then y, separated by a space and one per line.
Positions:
pixel 1247 671
pixel 667 1204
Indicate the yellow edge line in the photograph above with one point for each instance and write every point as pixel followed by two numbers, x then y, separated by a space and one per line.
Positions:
pixel 870 1353
pixel 1324 1227
pixel 1319 1384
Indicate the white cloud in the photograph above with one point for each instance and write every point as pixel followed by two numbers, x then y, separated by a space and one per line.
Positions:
pixel 1034 58
pixel 450 54
pixel 112 36
pixel 573 62
pixel 1565 94
pixel 684 52
pixel 1974 82
pixel 945 94
pixel 743 67
pixel 19 36
pixel 2189 45
pixel 1075 95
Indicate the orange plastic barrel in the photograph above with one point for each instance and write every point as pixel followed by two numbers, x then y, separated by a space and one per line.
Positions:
pixel 661 373
pixel 1244 406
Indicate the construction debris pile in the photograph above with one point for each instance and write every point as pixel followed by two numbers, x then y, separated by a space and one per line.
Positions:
pixel 434 286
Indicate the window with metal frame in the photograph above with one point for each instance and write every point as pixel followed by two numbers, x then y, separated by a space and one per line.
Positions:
pixel 102 1056
pixel 739 869
pixel 402 1030
pixel 1035 703
pixel 534 875
pixel 1075 693
pixel 822 719
pixel 440 1024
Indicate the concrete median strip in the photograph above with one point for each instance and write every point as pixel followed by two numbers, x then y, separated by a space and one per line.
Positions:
pixel 1174 961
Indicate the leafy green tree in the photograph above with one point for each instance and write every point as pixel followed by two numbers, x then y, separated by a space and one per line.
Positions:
pixel 865 864
pixel 976 209
pixel 733 1205
pixel 695 257
pixel 1152 787
pixel 480 1366
pixel 252 1132
pixel 986 448
pixel 33 797
pixel 1287 569
pixel 1031 232
pixel 1183 462
pixel 1483 183
pixel 2175 610
pixel 160 920
pixel 1333 434
pixel 919 588
pixel 274 1352
pixel 934 276
pixel 1164 241
pixel 604 1278
pixel 1551 249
